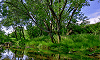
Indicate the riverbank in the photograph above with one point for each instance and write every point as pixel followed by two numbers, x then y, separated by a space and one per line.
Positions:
pixel 80 46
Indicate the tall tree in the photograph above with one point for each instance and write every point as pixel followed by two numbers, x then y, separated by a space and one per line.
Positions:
pixel 48 15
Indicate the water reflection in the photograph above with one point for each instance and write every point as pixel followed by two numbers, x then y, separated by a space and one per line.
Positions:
pixel 7 54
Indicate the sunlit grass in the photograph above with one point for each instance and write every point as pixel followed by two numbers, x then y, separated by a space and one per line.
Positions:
pixel 73 46
pixel 72 41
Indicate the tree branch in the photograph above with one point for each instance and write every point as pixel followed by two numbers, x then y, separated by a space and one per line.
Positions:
pixel 32 17
pixel 26 13
pixel 52 11
pixel 70 9
pixel 71 16
pixel 47 26
pixel 63 8
pixel 25 7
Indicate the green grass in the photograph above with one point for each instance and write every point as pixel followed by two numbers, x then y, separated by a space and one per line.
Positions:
pixel 78 45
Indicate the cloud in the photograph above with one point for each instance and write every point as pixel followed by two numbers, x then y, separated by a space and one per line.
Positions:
pixel 95 17
pixel 0 0
pixel 0 19
pixel 94 20
pixel 10 30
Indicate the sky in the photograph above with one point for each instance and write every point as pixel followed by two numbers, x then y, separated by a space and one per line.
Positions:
pixel 11 55
pixel 92 12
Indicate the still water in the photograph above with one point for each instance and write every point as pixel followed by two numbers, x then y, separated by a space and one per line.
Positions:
pixel 7 54
pixel 27 53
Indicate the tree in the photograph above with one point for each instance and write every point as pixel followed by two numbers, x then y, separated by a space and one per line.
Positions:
pixel 11 18
pixel 48 15
pixel 34 31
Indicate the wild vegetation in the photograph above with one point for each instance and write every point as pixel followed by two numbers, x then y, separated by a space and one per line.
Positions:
pixel 51 29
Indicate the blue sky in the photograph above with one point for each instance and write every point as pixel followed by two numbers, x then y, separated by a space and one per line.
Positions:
pixel 92 11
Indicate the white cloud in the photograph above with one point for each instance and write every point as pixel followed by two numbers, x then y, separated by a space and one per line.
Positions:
pixel 94 20
pixel 10 30
pixel 0 19
pixel 0 0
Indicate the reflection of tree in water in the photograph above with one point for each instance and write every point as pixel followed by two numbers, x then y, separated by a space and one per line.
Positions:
pixel 7 54
pixel 44 55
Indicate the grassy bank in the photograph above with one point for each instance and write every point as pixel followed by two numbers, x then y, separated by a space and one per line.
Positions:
pixel 77 46
pixel 80 46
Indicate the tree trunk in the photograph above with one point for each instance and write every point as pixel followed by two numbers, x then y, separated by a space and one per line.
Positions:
pixel 52 38
pixel 59 37
pixel 16 34
pixel 23 33
pixel 58 30
pixel 51 33
pixel 58 57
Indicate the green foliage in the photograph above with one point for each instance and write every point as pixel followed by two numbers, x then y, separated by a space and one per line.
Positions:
pixel 3 38
pixel 79 43
pixel 79 29
pixel 18 33
pixel 42 14
pixel 38 13
pixel 13 35
pixel 93 28
pixel 34 31
pixel 88 40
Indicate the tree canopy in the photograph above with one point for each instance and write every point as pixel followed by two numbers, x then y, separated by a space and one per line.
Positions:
pixel 49 15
